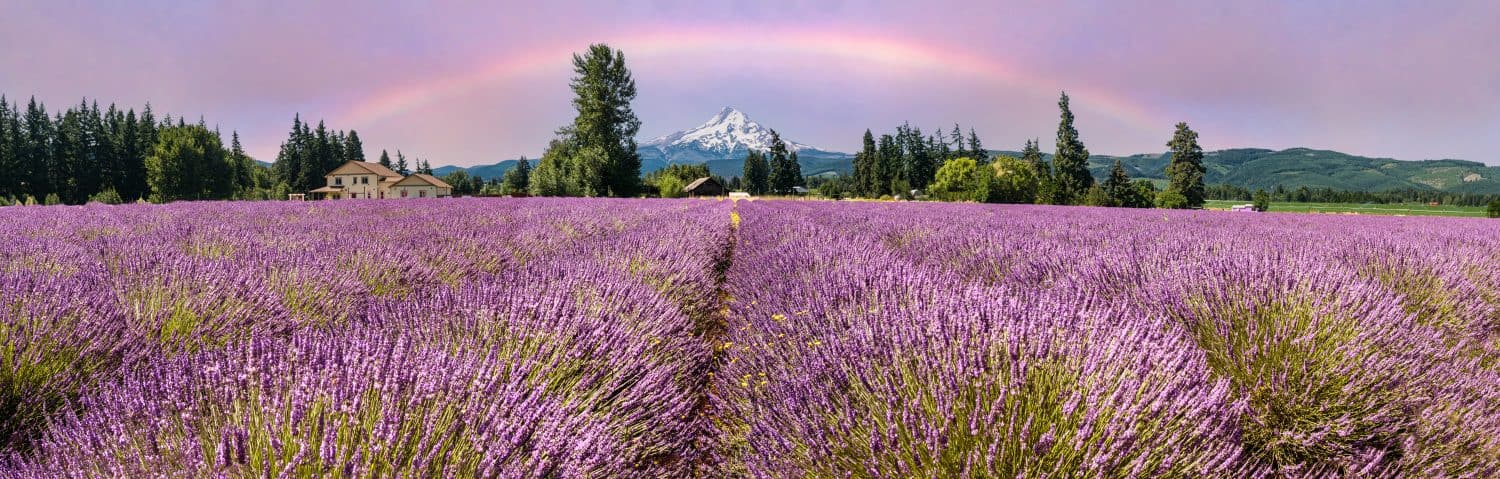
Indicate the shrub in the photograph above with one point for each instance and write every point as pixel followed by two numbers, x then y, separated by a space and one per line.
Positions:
pixel 961 179
pixel 1494 210
pixel 1171 199
pixel 1261 200
pixel 109 197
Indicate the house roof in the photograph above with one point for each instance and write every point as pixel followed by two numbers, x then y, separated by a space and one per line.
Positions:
pixel 420 179
pixel 353 167
pixel 700 182
pixel 328 189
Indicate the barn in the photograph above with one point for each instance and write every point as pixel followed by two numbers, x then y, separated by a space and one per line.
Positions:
pixel 706 186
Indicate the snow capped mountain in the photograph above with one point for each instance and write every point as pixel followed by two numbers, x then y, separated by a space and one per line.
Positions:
pixel 728 132
pixel 722 143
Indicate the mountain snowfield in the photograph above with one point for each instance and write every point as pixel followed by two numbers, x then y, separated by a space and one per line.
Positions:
pixel 728 131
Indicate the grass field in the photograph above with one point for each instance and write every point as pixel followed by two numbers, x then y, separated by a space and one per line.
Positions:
pixel 1404 209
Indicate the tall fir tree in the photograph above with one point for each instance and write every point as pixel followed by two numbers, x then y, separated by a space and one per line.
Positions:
pixel 920 166
pixel 385 159
pixel 1046 188
pixel 401 166
pixel 977 149
pixel 888 169
pixel 288 165
pixel 757 173
pixel 1070 162
pixel 518 178
pixel 864 167
pixel 1185 173
pixel 958 150
pixel 784 173
pixel 1117 187
pixel 354 150
pixel 8 167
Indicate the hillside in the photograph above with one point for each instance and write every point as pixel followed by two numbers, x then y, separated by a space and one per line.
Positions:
pixel 723 140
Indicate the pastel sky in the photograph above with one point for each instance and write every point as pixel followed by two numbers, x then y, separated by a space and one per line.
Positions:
pixel 475 82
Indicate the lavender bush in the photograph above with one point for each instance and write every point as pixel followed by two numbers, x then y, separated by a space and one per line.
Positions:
pixel 627 338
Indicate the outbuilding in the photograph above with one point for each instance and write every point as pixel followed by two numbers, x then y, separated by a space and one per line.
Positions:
pixel 705 186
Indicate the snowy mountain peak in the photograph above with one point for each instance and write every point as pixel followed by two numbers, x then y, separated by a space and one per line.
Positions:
pixel 728 131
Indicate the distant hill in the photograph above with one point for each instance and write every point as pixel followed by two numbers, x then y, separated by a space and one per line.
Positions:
pixel 724 139
pixel 1296 167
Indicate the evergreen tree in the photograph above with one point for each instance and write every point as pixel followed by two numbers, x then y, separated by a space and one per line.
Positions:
pixel 938 148
pixel 288 165
pixel 958 145
pixel 604 131
pixel 864 167
pixel 888 169
pixel 784 172
pixel 242 165
pixel 36 151
pixel 1045 187
pixel 977 149
pixel 1117 187
pixel 757 173
pixel 920 166
pixel 1185 173
pixel 401 166
pixel 1070 162
pixel 8 164
pixel 385 159
pixel 353 148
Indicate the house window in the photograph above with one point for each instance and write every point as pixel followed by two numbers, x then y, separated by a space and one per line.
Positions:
pixel 338 181
pixel 364 180
pixel 403 193
pixel 422 194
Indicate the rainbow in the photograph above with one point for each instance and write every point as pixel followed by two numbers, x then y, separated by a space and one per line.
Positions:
pixel 875 51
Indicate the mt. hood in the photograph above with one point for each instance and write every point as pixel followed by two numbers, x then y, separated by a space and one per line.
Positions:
pixel 722 142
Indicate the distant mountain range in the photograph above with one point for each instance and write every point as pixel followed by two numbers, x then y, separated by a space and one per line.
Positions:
pixel 724 139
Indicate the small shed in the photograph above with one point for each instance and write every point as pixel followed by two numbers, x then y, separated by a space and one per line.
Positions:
pixel 705 186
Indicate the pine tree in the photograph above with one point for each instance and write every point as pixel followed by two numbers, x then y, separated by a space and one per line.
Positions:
pixel 243 166
pixel 288 165
pixel 1046 188
pixel 958 144
pixel 1117 187
pixel 864 167
pixel 401 166
pixel 938 146
pixel 1185 173
pixel 385 159
pixel 757 173
pixel 1071 161
pixel 8 166
pixel 36 151
pixel 784 174
pixel 977 149
pixel 354 149
pixel 888 169
pixel 920 166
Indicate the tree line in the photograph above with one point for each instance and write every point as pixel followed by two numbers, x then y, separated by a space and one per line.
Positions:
pixel 110 155
pixel 1304 194
pixel 956 167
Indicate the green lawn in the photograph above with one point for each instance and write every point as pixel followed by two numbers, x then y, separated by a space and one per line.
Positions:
pixel 1410 209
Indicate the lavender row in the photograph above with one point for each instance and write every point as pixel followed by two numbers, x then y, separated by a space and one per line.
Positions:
pixel 965 340
pixel 496 338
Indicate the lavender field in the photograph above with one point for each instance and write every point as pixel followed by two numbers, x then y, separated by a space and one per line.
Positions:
pixel 692 338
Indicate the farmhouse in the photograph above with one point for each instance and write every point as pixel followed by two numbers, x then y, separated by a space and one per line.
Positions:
pixel 422 186
pixel 362 179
